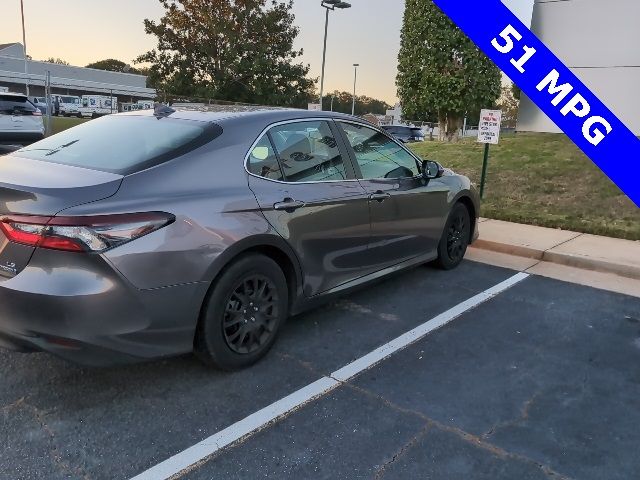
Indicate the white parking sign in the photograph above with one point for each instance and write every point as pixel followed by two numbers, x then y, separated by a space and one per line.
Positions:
pixel 489 127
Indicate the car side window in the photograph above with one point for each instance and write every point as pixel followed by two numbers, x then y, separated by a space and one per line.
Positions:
pixel 308 152
pixel 377 155
pixel 263 161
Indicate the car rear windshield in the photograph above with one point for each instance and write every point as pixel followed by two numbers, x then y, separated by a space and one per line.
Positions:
pixel 11 104
pixel 122 144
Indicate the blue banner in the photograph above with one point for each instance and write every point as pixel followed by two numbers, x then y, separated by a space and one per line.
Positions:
pixel 552 87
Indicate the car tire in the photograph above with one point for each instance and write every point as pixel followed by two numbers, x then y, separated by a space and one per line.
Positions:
pixel 243 313
pixel 455 238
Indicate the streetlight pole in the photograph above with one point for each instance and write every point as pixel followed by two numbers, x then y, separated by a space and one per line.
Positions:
pixel 355 80
pixel 324 55
pixel 328 5
pixel 24 47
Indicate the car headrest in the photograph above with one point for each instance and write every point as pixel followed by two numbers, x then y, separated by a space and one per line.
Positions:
pixel 297 144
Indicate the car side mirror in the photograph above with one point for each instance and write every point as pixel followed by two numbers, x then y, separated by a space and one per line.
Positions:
pixel 431 169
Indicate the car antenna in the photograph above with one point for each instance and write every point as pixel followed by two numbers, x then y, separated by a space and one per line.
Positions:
pixel 160 110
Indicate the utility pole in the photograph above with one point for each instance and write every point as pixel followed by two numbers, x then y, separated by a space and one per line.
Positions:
pixel 355 80
pixel 47 93
pixel 24 49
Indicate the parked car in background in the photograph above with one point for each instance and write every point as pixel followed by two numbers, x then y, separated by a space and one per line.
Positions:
pixel 160 232
pixel 139 105
pixel 93 106
pixel 40 103
pixel 145 104
pixel 69 105
pixel 20 122
pixel 405 134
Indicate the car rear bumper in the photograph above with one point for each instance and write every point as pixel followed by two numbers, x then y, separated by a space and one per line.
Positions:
pixel 84 311
pixel 20 138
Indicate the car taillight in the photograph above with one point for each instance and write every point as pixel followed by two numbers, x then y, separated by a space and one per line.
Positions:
pixel 82 234
pixel 37 113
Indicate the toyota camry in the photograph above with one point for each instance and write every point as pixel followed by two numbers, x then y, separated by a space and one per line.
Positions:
pixel 151 234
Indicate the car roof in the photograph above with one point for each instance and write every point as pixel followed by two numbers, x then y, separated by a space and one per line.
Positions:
pixel 14 94
pixel 220 113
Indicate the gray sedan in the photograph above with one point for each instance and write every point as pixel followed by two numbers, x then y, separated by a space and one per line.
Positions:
pixel 157 233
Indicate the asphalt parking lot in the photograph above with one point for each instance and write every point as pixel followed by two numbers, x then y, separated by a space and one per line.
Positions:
pixel 540 381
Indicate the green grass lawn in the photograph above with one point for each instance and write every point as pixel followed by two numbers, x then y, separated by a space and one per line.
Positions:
pixel 59 124
pixel 542 179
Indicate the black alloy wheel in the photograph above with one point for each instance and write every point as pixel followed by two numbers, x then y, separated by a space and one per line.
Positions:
pixel 246 306
pixel 251 314
pixel 455 238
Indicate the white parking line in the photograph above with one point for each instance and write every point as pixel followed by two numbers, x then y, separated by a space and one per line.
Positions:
pixel 262 418
pixel 380 353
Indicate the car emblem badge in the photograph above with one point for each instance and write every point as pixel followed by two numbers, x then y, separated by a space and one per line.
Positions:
pixel 9 267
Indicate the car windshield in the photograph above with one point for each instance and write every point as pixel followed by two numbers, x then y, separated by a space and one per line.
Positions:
pixel 417 132
pixel 12 104
pixel 122 144
pixel 69 100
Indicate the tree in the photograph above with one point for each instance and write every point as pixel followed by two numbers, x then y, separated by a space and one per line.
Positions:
pixel 440 71
pixel 343 102
pixel 59 61
pixel 236 50
pixel 113 65
pixel 509 105
pixel 516 91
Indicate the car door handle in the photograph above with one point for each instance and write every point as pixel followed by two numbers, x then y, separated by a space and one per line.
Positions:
pixel 288 205
pixel 379 196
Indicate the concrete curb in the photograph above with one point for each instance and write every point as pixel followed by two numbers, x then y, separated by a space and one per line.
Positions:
pixel 569 260
pixel 561 253
pixel 577 261
pixel 517 250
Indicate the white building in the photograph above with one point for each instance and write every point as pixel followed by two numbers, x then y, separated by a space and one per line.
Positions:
pixel 600 42
pixel 66 79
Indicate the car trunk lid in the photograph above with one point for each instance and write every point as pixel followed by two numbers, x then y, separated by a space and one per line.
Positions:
pixel 35 188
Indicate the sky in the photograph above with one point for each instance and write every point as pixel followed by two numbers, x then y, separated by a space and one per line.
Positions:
pixel 83 31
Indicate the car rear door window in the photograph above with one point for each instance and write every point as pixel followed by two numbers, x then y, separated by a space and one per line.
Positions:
pixel 263 161
pixel 308 152
pixel 377 155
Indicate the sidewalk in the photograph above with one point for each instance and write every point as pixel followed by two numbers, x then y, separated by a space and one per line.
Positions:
pixel 561 253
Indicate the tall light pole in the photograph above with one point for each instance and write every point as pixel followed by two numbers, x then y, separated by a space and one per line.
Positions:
pixel 355 80
pixel 329 6
pixel 24 47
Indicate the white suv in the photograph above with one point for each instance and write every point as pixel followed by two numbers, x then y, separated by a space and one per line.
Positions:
pixel 20 121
